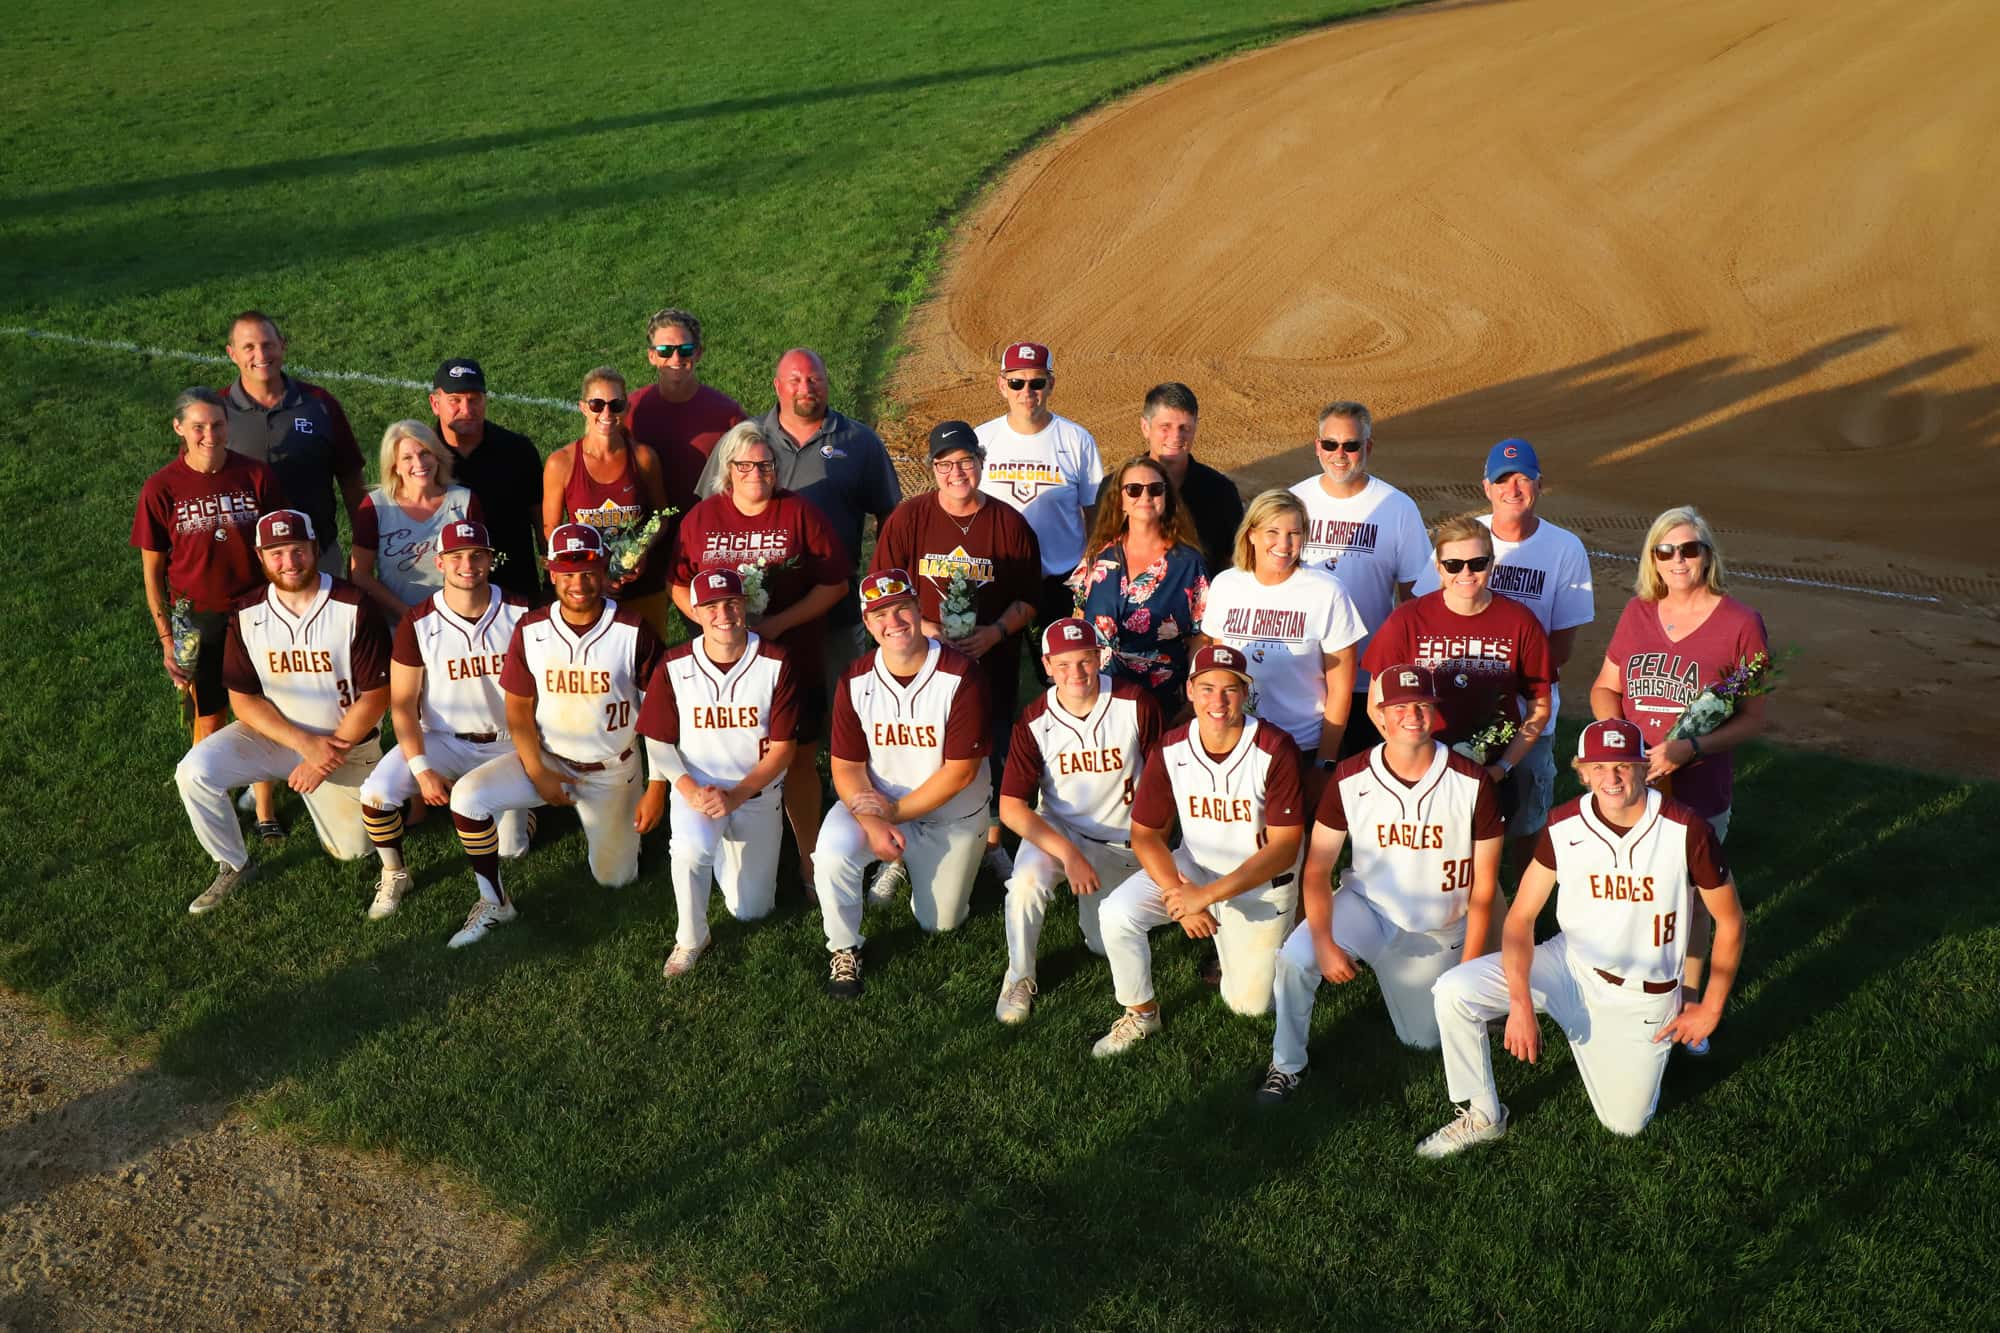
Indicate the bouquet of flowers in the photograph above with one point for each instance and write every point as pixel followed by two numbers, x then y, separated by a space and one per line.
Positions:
pixel 1486 745
pixel 624 550
pixel 756 597
pixel 187 650
pixel 957 619
pixel 1717 704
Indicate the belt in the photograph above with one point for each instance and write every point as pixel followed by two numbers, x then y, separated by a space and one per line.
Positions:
pixel 1105 842
pixel 476 737
pixel 1650 987
pixel 1282 880
pixel 580 767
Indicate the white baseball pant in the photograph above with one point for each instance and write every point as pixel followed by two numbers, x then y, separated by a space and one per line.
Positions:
pixel 942 856
pixel 1407 963
pixel 1033 884
pixel 606 802
pixel 1610 1031
pixel 392 783
pixel 1249 929
pixel 737 854
pixel 237 756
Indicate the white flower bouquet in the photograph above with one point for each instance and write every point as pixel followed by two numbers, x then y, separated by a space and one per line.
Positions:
pixel 1487 744
pixel 957 618
pixel 623 551
pixel 187 651
pixel 756 597
pixel 1717 704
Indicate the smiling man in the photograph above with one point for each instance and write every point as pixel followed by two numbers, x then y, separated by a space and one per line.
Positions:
pixel 680 417
pixel 1167 425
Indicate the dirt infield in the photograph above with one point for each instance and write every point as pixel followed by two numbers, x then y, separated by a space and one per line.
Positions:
pixel 1739 253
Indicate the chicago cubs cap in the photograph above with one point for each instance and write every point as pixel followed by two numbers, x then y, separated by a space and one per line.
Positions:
pixel 948 437
pixel 282 526
pixel 464 534
pixel 885 587
pixel 1220 657
pixel 575 546
pixel 715 585
pixel 1407 685
pixel 1513 456
pixel 1068 636
pixel 1611 741
pixel 1025 356
pixel 460 375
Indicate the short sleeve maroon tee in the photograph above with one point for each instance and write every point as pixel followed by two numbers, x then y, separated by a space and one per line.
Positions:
pixel 1482 662
pixel 791 539
pixel 205 523
pixel 682 434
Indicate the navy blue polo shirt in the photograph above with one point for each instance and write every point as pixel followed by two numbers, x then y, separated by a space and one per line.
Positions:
pixel 307 442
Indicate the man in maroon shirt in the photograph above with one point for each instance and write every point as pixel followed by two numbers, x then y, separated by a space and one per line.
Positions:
pixel 678 415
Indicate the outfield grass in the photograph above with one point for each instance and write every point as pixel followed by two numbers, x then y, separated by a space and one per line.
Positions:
pixel 396 194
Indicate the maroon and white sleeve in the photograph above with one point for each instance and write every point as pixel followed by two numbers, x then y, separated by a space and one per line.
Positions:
pixel 1486 820
pixel 659 713
pixel 369 651
pixel 784 721
pixel 515 678
pixel 965 735
pixel 238 672
pixel 1022 778
pixel 1707 866
pixel 1153 801
pixel 849 741
pixel 404 651
pixel 1284 794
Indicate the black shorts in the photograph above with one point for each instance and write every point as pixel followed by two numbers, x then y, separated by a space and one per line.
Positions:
pixel 210 695
pixel 815 717
pixel 1360 734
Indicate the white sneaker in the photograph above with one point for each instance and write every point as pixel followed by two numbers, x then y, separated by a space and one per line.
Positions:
pixel 681 961
pixel 389 891
pixel 1131 1028
pixel 483 917
pixel 1015 1001
pixel 999 863
pixel 246 800
pixel 890 880
pixel 1470 1128
pixel 221 886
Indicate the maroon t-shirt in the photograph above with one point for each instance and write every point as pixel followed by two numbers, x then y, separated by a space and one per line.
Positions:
pixel 1482 662
pixel 206 522
pixel 1662 677
pixel 683 434
pixel 791 539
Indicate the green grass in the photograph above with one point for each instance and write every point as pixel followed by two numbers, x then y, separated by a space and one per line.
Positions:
pixel 397 194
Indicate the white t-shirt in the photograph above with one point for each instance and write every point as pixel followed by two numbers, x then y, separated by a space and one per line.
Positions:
pixel 1370 541
pixel 1549 573
pixel 1048 477
pixel 1283 629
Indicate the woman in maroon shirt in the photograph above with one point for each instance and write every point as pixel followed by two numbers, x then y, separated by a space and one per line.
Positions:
pixel 607 482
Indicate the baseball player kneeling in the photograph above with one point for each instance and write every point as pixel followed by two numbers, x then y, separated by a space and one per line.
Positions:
pixel 573 681
pixel 720 719
pixel 446 702
pixel 1427 834
pixel 1625 864
pixel 1079 747
pixel 1232 784
pixel 909 765
pixel 306 662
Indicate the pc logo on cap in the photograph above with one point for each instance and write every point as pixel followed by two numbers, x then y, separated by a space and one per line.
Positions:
pixel 575 546
pixel 1513 456
pixel 1407 685
pixel 1611 741
pixel 281 526
pixel 1067 636
pixel 1220 657
pixel 714 585
pixel 1025 356
pixel 463 534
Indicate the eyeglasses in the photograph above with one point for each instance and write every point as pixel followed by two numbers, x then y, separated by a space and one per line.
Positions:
pixel 1018 385
pixel 882 589
pixel 1342 446
pixel 1686 550
pixel 615 406
pixel 1477 564
pixel 686 350
pixel 743 469
pixel 1135 489
pixel 952 467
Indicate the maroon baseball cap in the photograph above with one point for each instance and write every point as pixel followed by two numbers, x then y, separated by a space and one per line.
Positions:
pixel 463 534
pixel 715 585
pixel 1068 636
pixel 575 546
pixel 1220 657
pixel 1025 356
pixel 1408 685
pixel 282 526
pixel 885 587
pixel 1611 741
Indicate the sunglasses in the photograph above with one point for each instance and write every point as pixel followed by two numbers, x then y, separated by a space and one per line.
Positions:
pixel 880 590
pixel 743 469
pixel 953 466
pixel 1018 385
pixel 615 406
pixel 687 350
pixel 1342 446
pixel 1686 550
pixel 1135 489
pixel 1477 564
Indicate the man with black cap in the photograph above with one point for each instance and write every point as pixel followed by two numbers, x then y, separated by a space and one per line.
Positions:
pixel 502 468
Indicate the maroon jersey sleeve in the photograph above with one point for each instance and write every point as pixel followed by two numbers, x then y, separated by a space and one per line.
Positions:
pixel 784 720
pixel 1545 850
pixel 1332 810
pixel 1151 724
pixel 404 650
pixel 647 650
pixel 1391 644
pixel 1022 778
pixel 238 673
pixel 515 678
pixel 849 742
pixel 1707 866
pixel 659 713
pixel 370 650
pixel 1153 799
pixel 1284 794
pixel 965 731
pixel 1532 663
pixel 826 560
pixel 151 529
pixel 1486 820
pixel 367 526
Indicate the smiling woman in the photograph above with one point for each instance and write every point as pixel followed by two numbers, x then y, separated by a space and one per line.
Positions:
pixel 397 526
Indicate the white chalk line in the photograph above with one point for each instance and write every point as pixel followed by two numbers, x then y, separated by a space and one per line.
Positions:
pixel 209 359
pixel 1787 579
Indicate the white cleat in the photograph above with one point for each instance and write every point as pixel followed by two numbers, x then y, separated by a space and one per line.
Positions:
pixel 1016 999
pixel 1131 1028
pixel 680 962
pixel 221 887
pixel 891 880
pixel 1469 1129
pixel 483 917
pixel 389 891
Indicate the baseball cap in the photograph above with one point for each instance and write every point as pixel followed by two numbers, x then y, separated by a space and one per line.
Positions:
pixel 1220 657
pixel 1025 356
pixel 886 587
pixel 1067 636
pixel 1611 741
pixel 575 546
pixel 1407 685
pixel 951 436
pixel 281 526
pixel 464 534
pixel 1513 456
pixel 460 375
pixel 715 585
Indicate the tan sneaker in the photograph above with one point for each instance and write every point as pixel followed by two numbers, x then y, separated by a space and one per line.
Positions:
pixel 1131 1028
pixel 1016 999
pixel 1469 1129
pixel 389 891
pixel 224 883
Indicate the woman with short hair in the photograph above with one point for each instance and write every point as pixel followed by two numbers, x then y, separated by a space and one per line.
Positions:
pixel 396 528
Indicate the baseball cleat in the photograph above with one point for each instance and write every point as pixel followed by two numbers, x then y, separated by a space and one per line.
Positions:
pixel 246 800
pixel 1016 999
pixel 1131 1028
pixel 1278 1086
pixel 843 977
pixel 998 863
pixel 890 880
pixel 483 917
pixel 1468 1129
pixel 225 881
pixel 389 891
pixel 681 961
pixel 270 830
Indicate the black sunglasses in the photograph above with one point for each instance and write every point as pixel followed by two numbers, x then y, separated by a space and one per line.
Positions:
pixel 687 350
pixel 616 406
pixel 1018 385
pixel 1686 550
pixel 1135 489
pixel 1342 446
pixel 1477 564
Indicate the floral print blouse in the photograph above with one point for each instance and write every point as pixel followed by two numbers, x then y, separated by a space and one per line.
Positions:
pixel 1143 619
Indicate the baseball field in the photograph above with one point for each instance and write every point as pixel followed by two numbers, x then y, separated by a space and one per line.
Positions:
pixel 1740 254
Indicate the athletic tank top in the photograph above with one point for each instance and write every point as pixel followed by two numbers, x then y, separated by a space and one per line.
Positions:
pixel 615 508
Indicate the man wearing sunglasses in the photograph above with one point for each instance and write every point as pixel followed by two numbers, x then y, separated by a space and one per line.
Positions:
pixel 1364 532
pixel 678 415
pixel 1167 424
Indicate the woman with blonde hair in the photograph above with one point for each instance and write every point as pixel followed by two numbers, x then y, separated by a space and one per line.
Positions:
pixel 607 480
pixel 396 528
pixel 1144 584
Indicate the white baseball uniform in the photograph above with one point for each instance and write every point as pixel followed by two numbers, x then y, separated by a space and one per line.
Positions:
pixel 312 668
pixel 1401 906
pixel 1048 477
pixel 1612 974
pixel 718 722
pixel 586 683
pixel 463 712
pixel 902 728
pixel 1223 804
pixel 1283 629
pixel 1085 770
pixel 1370 542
